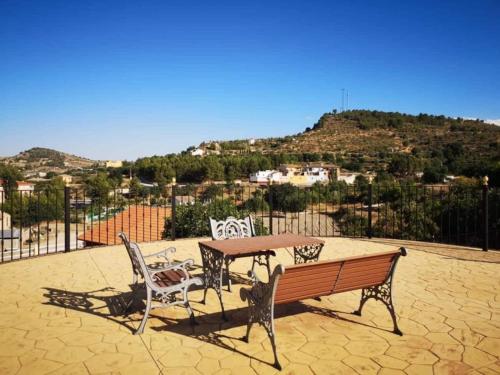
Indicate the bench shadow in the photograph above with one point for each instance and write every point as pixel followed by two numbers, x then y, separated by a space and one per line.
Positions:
pixel 209 325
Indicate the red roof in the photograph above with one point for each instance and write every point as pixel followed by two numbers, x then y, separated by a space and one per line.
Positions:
pixel 140 223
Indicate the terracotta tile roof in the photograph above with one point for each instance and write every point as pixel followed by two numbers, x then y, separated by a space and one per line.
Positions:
pixel 140 223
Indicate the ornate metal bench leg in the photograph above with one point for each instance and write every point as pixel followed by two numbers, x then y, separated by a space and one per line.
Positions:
pixel 246 338
pixel 268 325
pixel 258 260
pixel 382 293
pixel 306 254
pixel 146 313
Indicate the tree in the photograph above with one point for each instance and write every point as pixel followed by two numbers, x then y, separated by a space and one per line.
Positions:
pixel 287 198
pixel 11 175
pixel 98 186
pixel 433 174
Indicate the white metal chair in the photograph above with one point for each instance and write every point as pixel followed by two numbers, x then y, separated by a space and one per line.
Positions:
pixel 162 255
pixel 236 228
pixel 162 283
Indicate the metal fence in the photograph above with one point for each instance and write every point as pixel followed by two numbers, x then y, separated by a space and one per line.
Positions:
pixel 54 220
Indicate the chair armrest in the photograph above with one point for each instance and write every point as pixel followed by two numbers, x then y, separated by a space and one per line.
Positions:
pixel 175 266
pixel 162 254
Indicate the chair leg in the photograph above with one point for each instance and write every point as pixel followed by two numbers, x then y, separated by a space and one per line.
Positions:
pixel 146 312
pixel 188 307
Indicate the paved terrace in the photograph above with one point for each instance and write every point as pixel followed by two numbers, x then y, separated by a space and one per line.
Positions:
pixel 60 314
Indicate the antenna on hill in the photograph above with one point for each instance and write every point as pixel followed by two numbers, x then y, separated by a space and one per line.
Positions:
pixel 343 95
pixel 347 100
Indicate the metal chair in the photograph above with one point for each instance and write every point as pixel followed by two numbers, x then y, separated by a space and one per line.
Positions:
pixel 162 283
pixel 163 255
pixel 236 228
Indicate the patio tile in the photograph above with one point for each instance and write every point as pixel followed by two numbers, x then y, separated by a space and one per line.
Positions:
pixel 57 322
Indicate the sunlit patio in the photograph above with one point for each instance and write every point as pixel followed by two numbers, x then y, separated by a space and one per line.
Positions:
pixel 63 314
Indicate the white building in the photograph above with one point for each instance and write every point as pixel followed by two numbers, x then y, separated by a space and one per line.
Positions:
pixel 290 174
pixel 5 220
pixel 348 178
pixel 198 152
pixel 113 164
pixel 25 188
pixel 263 177
pixel 316 174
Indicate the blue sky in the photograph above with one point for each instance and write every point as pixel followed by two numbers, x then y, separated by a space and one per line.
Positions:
pixel 123 79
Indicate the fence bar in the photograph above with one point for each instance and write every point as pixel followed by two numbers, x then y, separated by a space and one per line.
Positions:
pixel 67 233
pixel 485 214
pixel 370 197
pixel 172 212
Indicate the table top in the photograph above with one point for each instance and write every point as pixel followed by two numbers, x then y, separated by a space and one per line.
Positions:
pixel 240 247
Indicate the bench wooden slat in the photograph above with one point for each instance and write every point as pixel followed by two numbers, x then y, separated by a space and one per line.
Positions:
pixel 303 281
pixel 376 278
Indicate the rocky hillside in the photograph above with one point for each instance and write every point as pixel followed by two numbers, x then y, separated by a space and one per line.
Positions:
pixel 40 159
pixel 373 134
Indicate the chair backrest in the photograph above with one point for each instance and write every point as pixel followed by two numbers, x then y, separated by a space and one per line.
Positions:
pixel 133 259
pixel 138 262
pixel 323 278
pixel 232 228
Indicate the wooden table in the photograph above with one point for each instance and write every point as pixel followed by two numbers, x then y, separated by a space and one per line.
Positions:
pixel 215 254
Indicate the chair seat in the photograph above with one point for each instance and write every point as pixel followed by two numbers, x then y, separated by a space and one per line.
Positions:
pixel 169 278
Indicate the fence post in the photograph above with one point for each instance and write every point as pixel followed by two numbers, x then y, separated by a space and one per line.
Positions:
pixel 67 228
pixel 485 214
pixel 269 183
pixel 370 198
pixel 172 213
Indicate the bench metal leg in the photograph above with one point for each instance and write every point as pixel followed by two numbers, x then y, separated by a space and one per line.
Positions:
pixel 146 313
pixel 306 254
pixel 382 293
pixel 257 259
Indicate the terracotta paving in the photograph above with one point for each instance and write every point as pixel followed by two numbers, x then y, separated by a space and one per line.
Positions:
pixel 61 314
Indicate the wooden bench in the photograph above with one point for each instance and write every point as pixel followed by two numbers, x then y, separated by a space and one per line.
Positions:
pixel 372 273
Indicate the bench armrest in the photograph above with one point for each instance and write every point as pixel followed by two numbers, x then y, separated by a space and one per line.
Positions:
pixel 253 277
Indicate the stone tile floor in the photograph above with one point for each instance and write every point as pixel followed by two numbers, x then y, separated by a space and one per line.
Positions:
pixel 61 314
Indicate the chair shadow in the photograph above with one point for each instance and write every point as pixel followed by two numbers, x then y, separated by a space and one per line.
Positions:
pixel 96 302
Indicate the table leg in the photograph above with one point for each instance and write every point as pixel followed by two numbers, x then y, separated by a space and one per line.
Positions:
pixel 306 254
pixel 227 260
pixel 213 263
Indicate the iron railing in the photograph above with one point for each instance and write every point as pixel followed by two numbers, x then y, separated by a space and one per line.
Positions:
pixel 48 221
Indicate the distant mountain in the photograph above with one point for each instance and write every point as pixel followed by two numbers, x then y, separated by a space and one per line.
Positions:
pixel 39 159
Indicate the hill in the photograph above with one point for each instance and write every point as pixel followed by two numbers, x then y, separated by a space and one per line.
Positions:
pixel 40 159
pixel 374 137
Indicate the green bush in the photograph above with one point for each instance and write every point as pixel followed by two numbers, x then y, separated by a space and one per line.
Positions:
pixel 193 220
